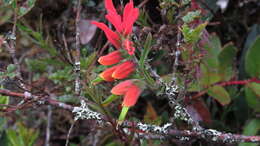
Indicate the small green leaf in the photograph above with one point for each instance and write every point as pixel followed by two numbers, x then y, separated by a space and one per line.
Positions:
pixel 7 2
pixel 145 52
pixel 190 16
pixel 25 7
pixel 250 129
pixel 226 58
pixel 11 68
pixel 252 61
pixel 255 88
pixel 97 80
pixel 220 94
pixel 252 96
pixel 36 65
pixel 85 63
pixel 13 138
pixel 4 100
pixel 209 76
pixel 192 35
pixel 110 99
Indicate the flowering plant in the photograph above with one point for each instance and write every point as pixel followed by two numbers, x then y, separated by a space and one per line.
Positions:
pixel 121 41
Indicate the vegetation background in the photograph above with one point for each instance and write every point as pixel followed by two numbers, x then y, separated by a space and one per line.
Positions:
pixel 210 49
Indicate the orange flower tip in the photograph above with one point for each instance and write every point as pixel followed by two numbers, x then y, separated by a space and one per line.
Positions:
pixel 108 79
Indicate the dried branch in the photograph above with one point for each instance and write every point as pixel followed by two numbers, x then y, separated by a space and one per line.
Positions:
pixel 147 131
pixel 77 57
pixel 227 83
pixel 48 127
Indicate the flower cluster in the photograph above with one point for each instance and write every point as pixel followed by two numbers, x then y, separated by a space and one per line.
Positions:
pixel 123 25
pixel 120 39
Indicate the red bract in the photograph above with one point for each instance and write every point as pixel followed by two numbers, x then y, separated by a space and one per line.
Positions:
pixel 124 70
pixel 123 24
pixel 111 58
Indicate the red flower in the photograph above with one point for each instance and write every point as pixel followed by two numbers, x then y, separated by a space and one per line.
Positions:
pixel 107 74
pixel 110 59
pixel 121 88
pixel 120 71
pixel 130 91
pixel 123 24
pixel 123 70
pixel 131 96
pixel 112 37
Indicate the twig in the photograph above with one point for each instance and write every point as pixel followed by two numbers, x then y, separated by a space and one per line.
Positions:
pixel 148 131
pixel 227 83
pixel 77 57
pixel 68 135
pixel 48 127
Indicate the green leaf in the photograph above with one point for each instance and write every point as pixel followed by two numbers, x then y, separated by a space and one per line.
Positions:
pixel 86 62
pixel 13 138
pixel 226 58
pixel 147 48
pixel 209 76
pixel 192 35
pixel 4 100
pixel 252 96
pixel 251 37
pixel 110 99
pixel 62 75
pixel 37 38
pixel 25 7
pixel 255 88
pixel 250 129
pixel 11 68
pixel 6 14
pixel 2 124
pixel 97 80
pixel 214 45
pixel 36 65
pixel 190 16
pixel 220 94
pixel 7 2
pixel 252 61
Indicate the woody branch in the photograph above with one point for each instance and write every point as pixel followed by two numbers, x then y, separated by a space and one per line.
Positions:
pixel 147 131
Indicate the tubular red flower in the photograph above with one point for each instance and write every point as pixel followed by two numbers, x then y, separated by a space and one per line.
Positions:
pixel 110 6
pixel 107 74
pixel 112 37
pixel 130 15
pixel 123 70
pixel 121 88
pixel 123 24
pixel 131 96
pixel 115 19
pixel 128 45
pixel 110 59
